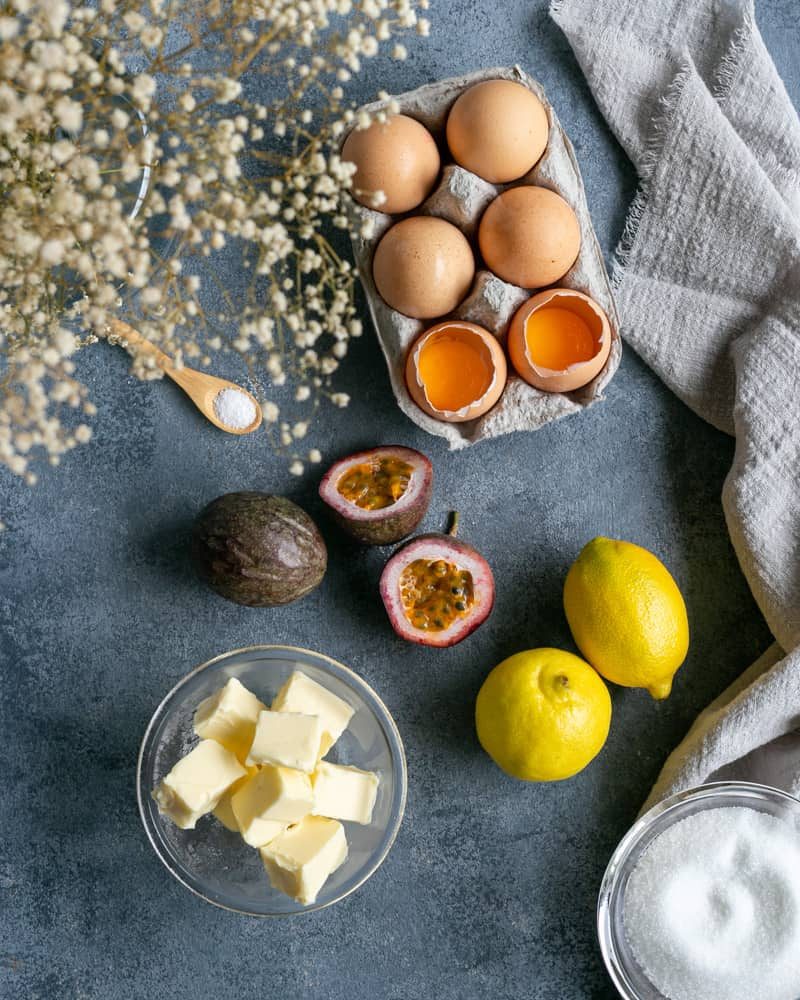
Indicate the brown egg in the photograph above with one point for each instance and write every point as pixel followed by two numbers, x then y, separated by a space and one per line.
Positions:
pixel 398 157
pixel 456 371
pixel 423 267
pixel 497 129
pixel 559 340
pixel 529 236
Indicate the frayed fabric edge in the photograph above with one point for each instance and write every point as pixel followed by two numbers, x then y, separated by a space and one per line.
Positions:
pixel 723 81
pixel 725 77
pixel 730 63
pixel 654 146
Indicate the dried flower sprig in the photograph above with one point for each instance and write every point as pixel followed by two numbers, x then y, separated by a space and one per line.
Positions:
pixel 134 146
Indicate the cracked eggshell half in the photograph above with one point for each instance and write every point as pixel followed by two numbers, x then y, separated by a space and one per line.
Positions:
pixel 456 371
pixel 559 340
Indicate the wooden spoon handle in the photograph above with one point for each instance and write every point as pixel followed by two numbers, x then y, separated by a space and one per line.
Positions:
pixel 132 338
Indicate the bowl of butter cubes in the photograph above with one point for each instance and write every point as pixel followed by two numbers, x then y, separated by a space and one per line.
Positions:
pixel 272 781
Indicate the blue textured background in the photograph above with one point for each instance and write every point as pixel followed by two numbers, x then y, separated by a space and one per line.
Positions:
pixel 490 888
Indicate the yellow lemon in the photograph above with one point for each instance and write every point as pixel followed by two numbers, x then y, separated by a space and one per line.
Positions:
pixel 627 615
pixel 542 715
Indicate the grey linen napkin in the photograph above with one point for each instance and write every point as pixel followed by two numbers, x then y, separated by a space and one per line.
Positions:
pixel 708 288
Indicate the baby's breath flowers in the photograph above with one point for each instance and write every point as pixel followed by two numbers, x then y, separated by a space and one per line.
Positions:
pixel 136 143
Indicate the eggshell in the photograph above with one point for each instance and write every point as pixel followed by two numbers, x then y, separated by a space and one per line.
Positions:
pixel 498 129
pixel 497 360
pixel 576 375
pixel 398 157
pixel 423 267
pixel 529 236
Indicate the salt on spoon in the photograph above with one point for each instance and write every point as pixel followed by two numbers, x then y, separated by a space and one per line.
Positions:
pixel 207 392
pixel 235 408
pixel 712 907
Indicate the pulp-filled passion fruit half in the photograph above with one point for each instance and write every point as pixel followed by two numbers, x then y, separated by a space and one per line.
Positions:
pixel 379 496
pixel 437 589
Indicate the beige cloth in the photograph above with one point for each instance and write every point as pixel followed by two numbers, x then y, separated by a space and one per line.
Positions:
pixel 708 289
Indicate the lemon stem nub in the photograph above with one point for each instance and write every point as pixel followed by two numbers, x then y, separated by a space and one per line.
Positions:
pixel 661 690
pixel 452 531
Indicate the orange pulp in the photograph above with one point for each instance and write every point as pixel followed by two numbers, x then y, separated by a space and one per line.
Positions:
pixel 435 593
pixel 376 484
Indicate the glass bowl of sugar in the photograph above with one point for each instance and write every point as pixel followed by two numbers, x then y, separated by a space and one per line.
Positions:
pixel 701 898
pixel 216 863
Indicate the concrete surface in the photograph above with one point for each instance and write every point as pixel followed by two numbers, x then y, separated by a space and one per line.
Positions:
pixel 491 886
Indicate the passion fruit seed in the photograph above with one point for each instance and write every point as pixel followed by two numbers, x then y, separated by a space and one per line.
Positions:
pixel 376 484
pixel 427 589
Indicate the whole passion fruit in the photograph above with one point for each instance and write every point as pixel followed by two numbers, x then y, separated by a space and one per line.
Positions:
pixel 257 549
pixel 437 589
pixel 379 496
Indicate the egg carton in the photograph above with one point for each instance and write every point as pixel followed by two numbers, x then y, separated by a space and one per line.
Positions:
pixel 461 198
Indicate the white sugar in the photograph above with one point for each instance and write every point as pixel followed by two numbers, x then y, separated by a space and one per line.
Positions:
pixel 234 408
pixel 712 907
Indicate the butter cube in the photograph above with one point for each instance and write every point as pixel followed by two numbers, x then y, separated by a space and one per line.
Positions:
pixel 300 860
pixel 224 813
pixel 342 792
pixel 197 782
pixel 223 810
pixel 269 801
pixel 301 694
pixel 286 739
pixel 229 717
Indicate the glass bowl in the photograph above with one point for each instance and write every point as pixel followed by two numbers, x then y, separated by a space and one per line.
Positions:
pixel 627 975
pixel 216 864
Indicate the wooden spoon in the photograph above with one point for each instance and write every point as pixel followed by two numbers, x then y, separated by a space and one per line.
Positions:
pixel 202 389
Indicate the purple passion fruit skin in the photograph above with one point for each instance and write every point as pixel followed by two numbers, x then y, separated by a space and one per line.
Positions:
pixel 437 590
pixel 257 549
pixel 379 496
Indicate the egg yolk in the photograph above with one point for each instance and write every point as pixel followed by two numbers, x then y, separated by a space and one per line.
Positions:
pixel 557 338
pixel 376 484
pixel 435 593
pixel 455 371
